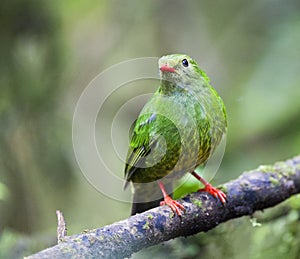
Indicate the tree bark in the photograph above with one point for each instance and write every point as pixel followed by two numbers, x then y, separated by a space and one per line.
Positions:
pixel 254 190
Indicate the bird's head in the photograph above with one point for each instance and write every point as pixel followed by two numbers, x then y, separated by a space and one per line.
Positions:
pixel 180 69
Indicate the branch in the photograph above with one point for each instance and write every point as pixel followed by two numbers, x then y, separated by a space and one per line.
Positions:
pixel 255 190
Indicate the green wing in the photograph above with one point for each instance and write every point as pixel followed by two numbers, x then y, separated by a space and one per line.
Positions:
pixel 140 144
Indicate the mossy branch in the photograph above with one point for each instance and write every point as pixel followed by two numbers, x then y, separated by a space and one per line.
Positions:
pixel 255 190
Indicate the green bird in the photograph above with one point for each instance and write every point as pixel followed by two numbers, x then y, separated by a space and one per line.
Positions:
pixel 177 130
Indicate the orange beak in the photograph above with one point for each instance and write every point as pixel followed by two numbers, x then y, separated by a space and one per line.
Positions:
pixel 166 68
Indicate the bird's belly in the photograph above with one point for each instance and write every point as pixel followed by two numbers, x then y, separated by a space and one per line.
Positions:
pixel 180 157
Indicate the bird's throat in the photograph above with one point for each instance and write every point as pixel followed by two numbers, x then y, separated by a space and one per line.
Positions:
pixel 169 88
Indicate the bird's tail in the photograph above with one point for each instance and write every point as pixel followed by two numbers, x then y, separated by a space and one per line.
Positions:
pixel 141 207
pixel 147 197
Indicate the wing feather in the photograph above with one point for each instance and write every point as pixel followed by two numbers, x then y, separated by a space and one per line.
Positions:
pixel 140 145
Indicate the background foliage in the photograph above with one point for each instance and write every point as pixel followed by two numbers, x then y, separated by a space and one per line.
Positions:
pixel 50 51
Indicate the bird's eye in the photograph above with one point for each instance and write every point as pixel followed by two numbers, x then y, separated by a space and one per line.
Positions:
pixel 185 63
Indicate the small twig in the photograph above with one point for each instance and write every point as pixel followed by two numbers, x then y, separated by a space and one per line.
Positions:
pixel 61 227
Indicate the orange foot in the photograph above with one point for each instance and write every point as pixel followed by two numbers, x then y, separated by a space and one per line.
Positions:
pixel 174 205
pixel 214 192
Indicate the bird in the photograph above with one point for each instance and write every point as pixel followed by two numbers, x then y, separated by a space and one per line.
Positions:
pixel 176 131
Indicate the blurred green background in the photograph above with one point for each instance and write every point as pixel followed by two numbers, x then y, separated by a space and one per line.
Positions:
pixel 51 50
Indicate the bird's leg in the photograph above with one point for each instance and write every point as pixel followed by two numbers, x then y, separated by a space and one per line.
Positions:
pixel 210 189
pixel 174 205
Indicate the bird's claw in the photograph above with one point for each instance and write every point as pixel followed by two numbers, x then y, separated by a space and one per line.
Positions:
pixel 214 192
pixel 174 205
